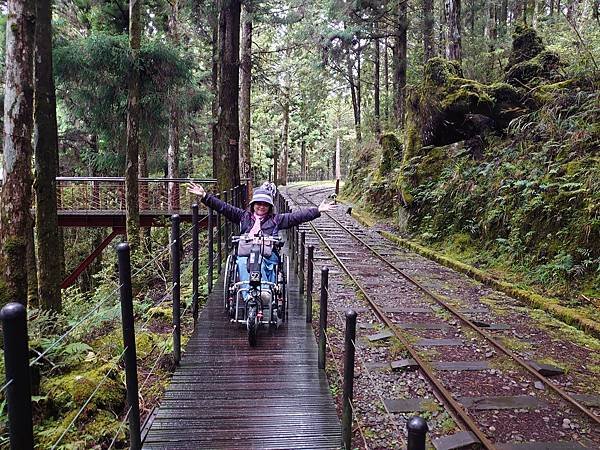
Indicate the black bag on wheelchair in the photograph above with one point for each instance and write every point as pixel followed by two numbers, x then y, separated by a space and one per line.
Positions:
pixel 245 246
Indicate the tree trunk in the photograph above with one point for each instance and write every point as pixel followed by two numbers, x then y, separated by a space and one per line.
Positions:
pixel 338 170
pixel 228 173
pixel 18 122
pixel 285 132
pixel 31 265
pixel 355 107
pixel 428 23
pixel 472 12
pixel 400 63
pixel 303 160
pixel 145 232
pixel 376 77
pixel 359 88
pixel 504 17
pixel 453 47
pixel 386 78
pixel 214 21
pixel 490 32
pixel 45 148
pixel 245 85
pixel 174 113
pixel 132 207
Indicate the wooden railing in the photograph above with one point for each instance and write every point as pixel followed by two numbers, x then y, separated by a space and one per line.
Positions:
pixel 108 193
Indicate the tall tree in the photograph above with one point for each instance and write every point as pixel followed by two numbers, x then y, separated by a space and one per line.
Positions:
pixel 453 17
pixel 16 167
pixel 45 149
pixel 174 116
pixel 282 175
pixel 227 158
pixel 376 78
pixel 428 43
pixel 245 87
pixel 400 61
pixel 132 207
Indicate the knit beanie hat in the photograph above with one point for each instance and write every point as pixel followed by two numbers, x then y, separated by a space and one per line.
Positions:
pixel 261 195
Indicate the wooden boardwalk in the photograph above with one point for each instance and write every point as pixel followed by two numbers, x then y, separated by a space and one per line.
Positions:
pixel 228 395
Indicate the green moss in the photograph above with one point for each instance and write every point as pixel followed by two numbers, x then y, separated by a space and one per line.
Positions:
pixel 161 312
pixel 66 391
pixel 391 154
pixel 467 96
pixel 526 45
pixel 551 305
pixel 438 71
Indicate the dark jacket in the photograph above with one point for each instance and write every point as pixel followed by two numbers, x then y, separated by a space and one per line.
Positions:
pixel 270 225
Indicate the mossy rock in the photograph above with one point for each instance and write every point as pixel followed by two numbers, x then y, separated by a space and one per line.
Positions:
pixel 99 429
pixel 73 389
pixel 438 71
pixel 545 93
pixel 467 96
pixel 526 45
pixel 544 67
pixel 161 312
pixel 391 153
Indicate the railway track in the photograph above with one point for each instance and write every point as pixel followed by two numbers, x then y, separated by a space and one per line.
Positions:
pixel 492 392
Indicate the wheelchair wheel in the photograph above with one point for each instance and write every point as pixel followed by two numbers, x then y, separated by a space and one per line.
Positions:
pixel 252 327
pixel 228 279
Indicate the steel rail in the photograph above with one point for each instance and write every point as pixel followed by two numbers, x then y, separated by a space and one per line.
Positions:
pixel 488 336
pixel 425 367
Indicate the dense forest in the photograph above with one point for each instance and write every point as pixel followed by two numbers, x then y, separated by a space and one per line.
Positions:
pixel 472 128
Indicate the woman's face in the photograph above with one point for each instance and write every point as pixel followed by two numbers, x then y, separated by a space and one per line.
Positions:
pixel 261 208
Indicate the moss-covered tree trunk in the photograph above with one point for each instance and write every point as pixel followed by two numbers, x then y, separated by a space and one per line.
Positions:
pixel 16 168
pixel 245 85
pixel 227 162
pixel 132 207
pixel 32 279
pixel 45 149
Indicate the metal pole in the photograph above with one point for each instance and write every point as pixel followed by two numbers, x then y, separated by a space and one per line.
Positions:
pixel 16 363
pixel 296 249
pixel 350 339
pixel 309 283
pixel 195 255
pixel 131 381
pixel 231 224
pixel 226 226
pixel 323 316
pixel 175 276
pixel 301 272
pixel 219 242
pixel 417 432
pixel 210 250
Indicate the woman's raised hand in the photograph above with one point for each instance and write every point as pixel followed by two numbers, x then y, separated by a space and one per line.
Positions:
pixel 324 206
pixel 196 189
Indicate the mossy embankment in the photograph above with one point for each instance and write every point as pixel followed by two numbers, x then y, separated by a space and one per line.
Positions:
pixel 504 177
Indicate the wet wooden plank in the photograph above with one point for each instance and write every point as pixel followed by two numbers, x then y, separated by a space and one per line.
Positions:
pixel 228 395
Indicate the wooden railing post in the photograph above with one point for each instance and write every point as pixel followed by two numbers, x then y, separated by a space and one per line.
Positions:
pixel 131 381
pixel 176 280
pixel 195 256
pixel 18 377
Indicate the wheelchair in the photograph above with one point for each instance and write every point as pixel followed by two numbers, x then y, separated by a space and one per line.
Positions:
pixel 255 302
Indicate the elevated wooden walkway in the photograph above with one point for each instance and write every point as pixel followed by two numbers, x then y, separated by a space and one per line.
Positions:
pixel 228 395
